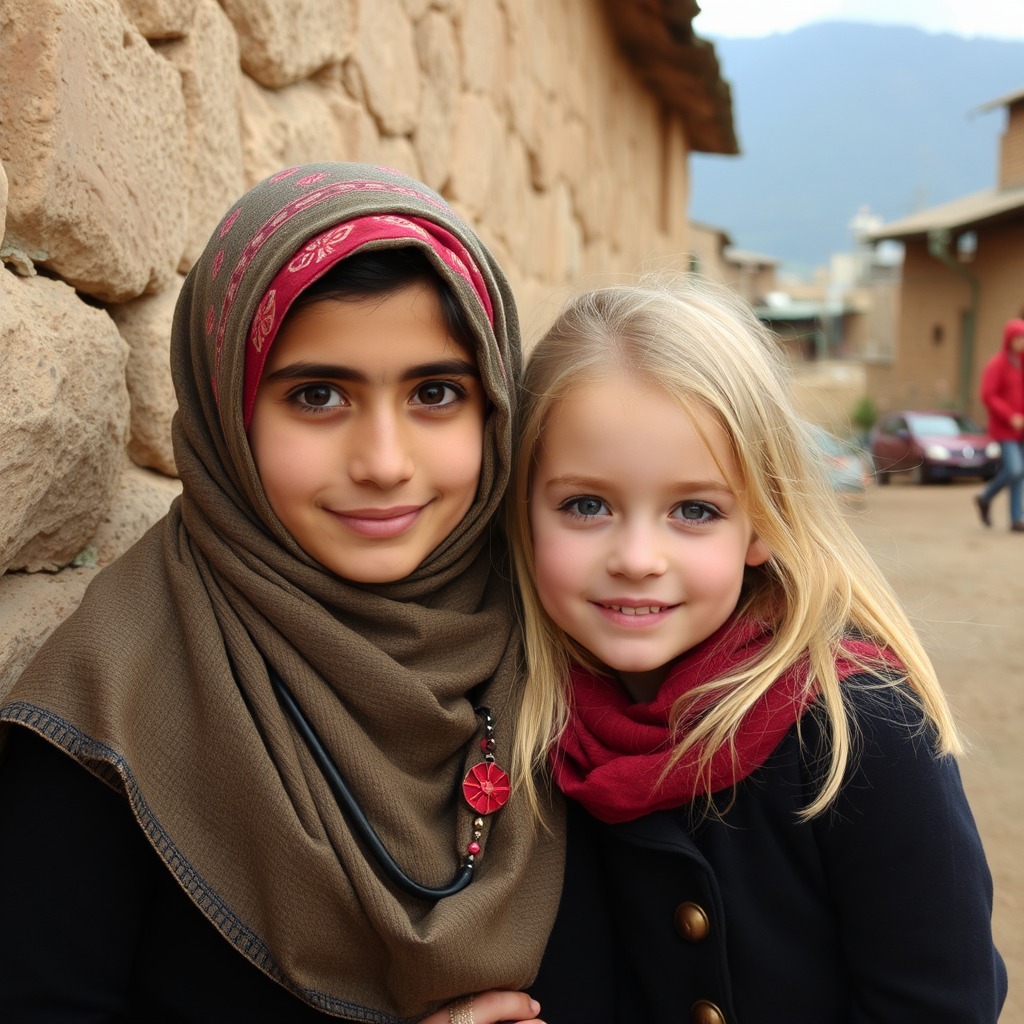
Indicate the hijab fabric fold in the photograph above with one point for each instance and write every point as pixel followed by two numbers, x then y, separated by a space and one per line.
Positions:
pixel 158 683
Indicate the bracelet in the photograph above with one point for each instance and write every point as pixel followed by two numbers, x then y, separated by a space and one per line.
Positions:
pixel 461 1011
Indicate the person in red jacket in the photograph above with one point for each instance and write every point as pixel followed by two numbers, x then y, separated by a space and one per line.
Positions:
pixel 1002 391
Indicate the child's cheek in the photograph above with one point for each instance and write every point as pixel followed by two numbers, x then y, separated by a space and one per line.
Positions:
pixel 291 473
pixel 561 568
pixel 461 459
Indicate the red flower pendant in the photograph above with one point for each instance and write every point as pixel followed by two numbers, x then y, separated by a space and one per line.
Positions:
pixel 486 787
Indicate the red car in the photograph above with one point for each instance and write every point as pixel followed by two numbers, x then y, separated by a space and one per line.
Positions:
pixel 932 446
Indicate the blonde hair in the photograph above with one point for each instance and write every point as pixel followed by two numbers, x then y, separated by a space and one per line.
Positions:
pixel 704 348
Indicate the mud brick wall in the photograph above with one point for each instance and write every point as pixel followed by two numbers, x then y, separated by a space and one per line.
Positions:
pixel 127 128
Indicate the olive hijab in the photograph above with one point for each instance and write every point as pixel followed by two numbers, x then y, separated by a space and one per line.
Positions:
pixel 158 683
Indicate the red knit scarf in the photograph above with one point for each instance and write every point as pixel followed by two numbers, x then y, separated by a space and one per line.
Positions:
pixel 613 752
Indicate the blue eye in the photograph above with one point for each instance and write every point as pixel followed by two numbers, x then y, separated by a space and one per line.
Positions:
pixel 696 512
pixel 586 507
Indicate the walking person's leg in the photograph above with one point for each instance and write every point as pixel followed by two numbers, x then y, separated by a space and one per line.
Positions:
pixel 1013 464
pixel 995 485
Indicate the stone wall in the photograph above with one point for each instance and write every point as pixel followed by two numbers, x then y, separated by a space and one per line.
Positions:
pixel 127 127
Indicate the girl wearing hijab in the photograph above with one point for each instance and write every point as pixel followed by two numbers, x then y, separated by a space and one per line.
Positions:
pixel 255 776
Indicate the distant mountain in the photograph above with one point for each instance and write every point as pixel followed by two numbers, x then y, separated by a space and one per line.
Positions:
pixel 834 115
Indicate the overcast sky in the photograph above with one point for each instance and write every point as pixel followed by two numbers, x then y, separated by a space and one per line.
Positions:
pixel 997 19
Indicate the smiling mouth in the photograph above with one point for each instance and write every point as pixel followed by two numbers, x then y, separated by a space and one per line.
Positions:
pixel 380 522
pixel 625 609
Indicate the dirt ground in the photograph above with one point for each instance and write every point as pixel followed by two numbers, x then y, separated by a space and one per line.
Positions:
pixel 964 587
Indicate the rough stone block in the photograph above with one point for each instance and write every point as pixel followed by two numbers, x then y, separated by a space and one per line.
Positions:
pixel 357 130
pixel 594 196
pixel 285 127
pixel 145 323
pixel 94 146
pixel 386 55
pixel 160 19
pixel 519 93
pixel 438 53
pixel 568 235
pixel 483 41
pixel 574 144
pixel 3 201
pixel 541 213
pixel 416 8
pixel 546 150
pixel 510 195
pixel 588 44
pixel 65 421
pixel 211 83
pixel 141 499
pixel 476 143
pixel 557 253
pixel 539 305
pixel 352 80
pixel 32 605
pixel 284 41
pixel 546 47
pixel 396 152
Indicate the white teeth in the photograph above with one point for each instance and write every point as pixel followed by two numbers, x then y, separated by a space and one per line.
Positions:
pixel 626 610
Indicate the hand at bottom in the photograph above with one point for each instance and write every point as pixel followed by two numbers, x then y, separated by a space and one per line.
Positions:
pixel 494 1007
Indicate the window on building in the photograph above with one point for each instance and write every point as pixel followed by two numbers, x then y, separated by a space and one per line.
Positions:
pixel 966 246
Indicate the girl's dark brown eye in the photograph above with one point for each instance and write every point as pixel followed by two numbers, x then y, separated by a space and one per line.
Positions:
pixel 318 394
pixel 317 397
pixel 437 393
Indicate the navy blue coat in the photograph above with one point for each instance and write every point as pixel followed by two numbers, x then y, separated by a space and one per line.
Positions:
pixel 878 911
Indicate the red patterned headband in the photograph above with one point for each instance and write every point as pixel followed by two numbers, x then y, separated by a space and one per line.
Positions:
pixel 321 253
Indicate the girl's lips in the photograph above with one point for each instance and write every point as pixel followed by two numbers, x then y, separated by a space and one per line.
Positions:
pixel 380 522
pixel 632 614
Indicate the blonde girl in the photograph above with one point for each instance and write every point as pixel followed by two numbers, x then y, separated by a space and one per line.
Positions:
pixel 757 752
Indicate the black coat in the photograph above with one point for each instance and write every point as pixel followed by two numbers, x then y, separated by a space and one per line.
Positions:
pixel 878 911
pixel 93 927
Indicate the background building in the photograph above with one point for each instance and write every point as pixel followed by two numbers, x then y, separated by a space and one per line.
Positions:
pixel 963 278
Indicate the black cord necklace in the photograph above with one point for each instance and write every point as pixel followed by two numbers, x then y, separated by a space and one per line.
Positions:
pixel 485 788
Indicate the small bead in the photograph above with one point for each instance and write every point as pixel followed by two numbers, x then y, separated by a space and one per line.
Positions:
pixel 477 833
pixel 487 745
pixel 474 848
pixel 470 860
pixel 478 823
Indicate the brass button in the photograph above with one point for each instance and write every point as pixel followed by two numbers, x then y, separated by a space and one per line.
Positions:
pixel 705 1012
pixel 692 922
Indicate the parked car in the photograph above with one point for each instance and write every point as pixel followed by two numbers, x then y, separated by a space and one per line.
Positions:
pixel 932 446
pixel 847 466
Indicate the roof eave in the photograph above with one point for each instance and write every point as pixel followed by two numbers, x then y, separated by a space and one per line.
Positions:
pixel 999 210
pixel 1003 101
pixel 678 67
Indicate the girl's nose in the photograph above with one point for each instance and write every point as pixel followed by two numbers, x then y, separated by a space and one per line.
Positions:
pixel 381 454
pixel 636 554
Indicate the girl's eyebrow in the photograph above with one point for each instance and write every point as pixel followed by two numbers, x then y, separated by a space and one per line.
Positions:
pixel 594 483
pixel 443 368
pixel 332 371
